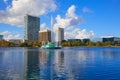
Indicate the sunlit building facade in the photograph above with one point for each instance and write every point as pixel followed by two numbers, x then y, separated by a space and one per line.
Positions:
pixel 45 36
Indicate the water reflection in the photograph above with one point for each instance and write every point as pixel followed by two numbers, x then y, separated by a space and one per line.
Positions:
pixel 31 60
pixel 59 65
pixel 11 64
pixel 46 65
pixel 19 64
pixel 52 65
pixel 63 64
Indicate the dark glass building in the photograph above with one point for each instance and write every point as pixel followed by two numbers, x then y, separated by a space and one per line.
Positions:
pixel 111 39
pixel 73 40
pixel 32 27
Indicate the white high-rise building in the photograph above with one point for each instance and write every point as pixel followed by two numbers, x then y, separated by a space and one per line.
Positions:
pixel 60 34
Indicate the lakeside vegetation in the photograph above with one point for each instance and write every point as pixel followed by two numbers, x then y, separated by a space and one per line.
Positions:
pixel 4 43
pixel 89 44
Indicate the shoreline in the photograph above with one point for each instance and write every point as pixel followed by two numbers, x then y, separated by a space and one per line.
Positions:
pixel 69 47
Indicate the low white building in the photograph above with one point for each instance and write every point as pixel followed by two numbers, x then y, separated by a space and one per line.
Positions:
pixel 16 41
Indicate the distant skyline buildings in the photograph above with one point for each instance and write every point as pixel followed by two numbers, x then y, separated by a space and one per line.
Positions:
pixel 33 33
pixel 32 27
pixel 110 39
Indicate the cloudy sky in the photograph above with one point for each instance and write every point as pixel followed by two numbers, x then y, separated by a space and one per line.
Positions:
pixel 79 18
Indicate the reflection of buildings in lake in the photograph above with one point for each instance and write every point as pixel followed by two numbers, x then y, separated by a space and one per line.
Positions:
pixel 107 54
pixel 31 64
pixel 74 61
pixel 25 62
pixel 70 65
pixel 84 56
pixel 59 63
pixel 46 65
pixel 43 58
pixel 65 67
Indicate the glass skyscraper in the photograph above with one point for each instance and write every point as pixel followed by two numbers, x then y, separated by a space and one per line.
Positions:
pixel 32 27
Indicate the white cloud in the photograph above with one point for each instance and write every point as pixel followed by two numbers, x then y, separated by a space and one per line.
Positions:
pixel 14 14
pixel 9 35
pixel 84 34
pixel 79 34
pixel 71 12
pixel 43 26
pixel 87 10
pixel 70 22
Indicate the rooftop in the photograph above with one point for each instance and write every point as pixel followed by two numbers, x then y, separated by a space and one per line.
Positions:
pixel 45 30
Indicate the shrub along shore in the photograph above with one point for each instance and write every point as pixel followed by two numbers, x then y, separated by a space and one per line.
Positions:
pixel 4 43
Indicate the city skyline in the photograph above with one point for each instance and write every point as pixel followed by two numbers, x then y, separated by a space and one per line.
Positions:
pixel 80 19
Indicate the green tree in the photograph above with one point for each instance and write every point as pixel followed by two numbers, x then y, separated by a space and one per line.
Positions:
pixel 99 43
pixel 90 44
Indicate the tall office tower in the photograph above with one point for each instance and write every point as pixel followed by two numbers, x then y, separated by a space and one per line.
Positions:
pixel 60 34
pixel 32 27
pixel 45 36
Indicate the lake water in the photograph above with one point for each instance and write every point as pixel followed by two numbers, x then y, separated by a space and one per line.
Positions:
pixel 60 64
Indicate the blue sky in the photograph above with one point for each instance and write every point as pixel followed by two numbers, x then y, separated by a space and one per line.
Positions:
pixel 80 18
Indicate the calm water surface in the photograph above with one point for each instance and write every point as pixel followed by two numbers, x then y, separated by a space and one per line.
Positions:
pixel 61 64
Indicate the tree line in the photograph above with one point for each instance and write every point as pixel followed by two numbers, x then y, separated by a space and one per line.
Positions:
pixel 89 44
pixel 4 43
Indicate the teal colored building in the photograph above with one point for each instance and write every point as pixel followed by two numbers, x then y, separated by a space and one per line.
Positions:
pixel 1 37
pixel 32 27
